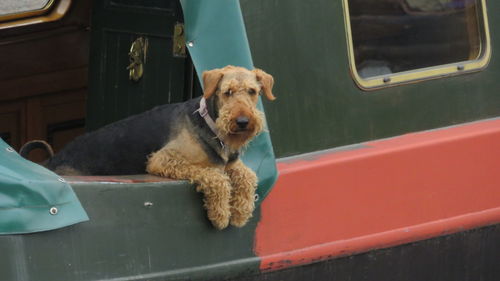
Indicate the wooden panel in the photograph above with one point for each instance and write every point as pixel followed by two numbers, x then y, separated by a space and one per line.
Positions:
pixel 49 47
pixel 48 53
pixel 64 117
pixel 57 118
pixel 24 87
pixel 12 123
pixel 43 89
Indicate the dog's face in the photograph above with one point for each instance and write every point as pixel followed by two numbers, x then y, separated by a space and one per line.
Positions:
pixel 236 90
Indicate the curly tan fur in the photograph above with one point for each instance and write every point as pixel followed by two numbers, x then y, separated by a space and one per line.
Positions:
pixel 244 183
pixel 229 134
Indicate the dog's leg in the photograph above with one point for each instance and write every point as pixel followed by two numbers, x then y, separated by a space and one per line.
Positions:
pixel 244 182
pixel 217 190
pixel 212 182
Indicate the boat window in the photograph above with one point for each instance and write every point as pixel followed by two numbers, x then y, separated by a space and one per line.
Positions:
pixel 15 9
pixel 10 7
pixel 24 12
pixel 395 41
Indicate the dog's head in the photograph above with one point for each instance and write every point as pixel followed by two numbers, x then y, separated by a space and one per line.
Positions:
pixel 236 91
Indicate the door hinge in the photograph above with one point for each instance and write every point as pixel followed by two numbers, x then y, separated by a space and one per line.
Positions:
pixel 179 48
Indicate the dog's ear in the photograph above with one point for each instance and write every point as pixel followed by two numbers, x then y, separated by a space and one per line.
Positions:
pixel 211 80
pixel 267 82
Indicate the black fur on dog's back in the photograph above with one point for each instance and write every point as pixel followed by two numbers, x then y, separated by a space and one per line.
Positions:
pixel 122 147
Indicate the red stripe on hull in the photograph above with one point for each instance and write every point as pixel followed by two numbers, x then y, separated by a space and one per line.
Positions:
pixel 387 193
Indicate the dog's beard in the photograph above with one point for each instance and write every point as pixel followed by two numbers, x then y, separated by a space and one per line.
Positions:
pixel 234 137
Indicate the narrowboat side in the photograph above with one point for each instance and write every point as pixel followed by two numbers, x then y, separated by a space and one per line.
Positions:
pixel 386 143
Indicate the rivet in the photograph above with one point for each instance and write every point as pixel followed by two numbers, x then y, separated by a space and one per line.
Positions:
pixel 256 198
pixel 148 204
pixel 53 211
pixel 387 79
pixel 61 180
pixel 9 149
pixel 460 67
pixel 190 44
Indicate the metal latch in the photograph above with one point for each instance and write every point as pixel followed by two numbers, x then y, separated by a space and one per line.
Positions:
pixel 137 57
pixel 179 47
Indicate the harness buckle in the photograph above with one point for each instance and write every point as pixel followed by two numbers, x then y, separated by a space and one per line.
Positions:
pixel 203 111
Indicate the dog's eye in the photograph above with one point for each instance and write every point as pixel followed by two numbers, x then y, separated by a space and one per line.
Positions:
pixel 252 92
pixel 228 93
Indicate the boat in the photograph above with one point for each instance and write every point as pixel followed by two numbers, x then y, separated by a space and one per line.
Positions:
pixel 380 160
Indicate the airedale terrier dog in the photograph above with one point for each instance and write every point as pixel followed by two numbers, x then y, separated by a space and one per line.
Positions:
pixel 199 140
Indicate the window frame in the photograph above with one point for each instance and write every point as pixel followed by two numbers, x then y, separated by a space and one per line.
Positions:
pixel 420 74
pixel 52 11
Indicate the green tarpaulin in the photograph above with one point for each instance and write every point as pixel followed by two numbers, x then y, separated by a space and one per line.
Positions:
pixel 33 198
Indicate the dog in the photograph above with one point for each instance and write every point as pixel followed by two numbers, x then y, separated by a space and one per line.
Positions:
pixel 200 140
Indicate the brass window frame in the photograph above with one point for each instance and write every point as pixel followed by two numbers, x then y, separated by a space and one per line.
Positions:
pixel 420 74
pixel 52 11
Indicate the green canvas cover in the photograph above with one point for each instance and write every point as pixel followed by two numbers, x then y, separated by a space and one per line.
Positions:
pixel 33 198
pixel 216 37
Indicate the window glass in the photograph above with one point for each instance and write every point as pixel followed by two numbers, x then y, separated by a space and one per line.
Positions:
pixel 392 36
pixel 8 7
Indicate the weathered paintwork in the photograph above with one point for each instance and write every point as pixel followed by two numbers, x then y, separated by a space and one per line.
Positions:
pixel 384 193
pixel 147 231
pixel 465 256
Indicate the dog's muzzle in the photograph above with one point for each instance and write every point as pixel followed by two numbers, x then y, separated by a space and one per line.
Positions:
pixel 242 122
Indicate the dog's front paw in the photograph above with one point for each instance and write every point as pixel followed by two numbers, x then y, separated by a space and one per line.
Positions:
pixel 216 201
pixel 240 220
pixel 219 217
pixel 244 182
pixel 241 211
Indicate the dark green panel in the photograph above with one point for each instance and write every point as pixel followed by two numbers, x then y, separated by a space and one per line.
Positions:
pixel 126 239
pixel 303 44
pixel 115 25
pixel 147 4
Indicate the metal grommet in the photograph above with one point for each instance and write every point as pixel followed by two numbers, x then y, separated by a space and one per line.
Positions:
pixel 61 180
pixel 256 197
pixel 387 79
pixel 190 44
pixel 9 149
pixel 460 67
pixel 53 211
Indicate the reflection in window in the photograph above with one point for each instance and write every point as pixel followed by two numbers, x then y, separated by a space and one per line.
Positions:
pixel 391 36
pixel 8 7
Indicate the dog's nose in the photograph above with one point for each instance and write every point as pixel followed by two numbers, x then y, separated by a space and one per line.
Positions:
pixel 242 122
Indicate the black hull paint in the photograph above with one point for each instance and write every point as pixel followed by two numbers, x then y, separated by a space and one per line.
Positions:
pixel 472 255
